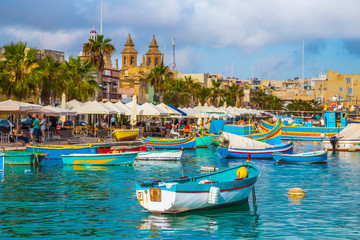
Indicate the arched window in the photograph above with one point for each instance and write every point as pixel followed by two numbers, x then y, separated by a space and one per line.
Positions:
pixel 149 61
pixel 124 61
pixel 156 61
pixel 132 61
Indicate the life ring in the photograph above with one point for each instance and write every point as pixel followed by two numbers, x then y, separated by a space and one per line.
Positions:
pixel 241 121
pixel 333 106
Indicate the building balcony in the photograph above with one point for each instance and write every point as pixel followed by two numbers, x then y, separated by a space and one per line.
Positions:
pixel 112 96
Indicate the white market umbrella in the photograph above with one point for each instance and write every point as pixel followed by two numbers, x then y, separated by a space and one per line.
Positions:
pixel 15 107
pixel 117 108
pixel 199 121
pixel 94 108
pixel 148 109
pixel 73 104
pixel 168 110
pixel 60 111
pixel 133 117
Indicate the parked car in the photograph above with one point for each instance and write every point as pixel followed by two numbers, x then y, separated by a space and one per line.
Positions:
pixel 82 123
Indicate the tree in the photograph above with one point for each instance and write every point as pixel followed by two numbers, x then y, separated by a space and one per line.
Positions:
pixel 77 79
pixel 17 78
pixel 177 94
pixel 258 98
pixel 97 49
pixel 203 94
pixel 216 93
pixel 160 77
pixel 48 74
pixel 236 94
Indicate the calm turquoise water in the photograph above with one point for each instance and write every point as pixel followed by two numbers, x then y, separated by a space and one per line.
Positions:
pixel 100 202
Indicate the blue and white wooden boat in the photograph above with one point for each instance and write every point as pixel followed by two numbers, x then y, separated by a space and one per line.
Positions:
pixel 55 151
pixel 177 143
pixel 171 155
pixel 100 159
pixel 308 157
pixel 241 147
pixel 212 190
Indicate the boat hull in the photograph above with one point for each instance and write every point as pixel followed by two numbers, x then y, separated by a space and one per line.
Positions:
pixel 300 133
pixel 343 145
pixel 129 148
pixel 175 197
pixel 2 162
pixel 265 153
pixel 125 134
pixel 160 155
pixel 203 142
pixel 181 143
pixel 312 157
pixel 100 159
pixel 55 151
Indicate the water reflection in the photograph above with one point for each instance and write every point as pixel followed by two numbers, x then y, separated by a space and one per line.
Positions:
pixel 239 219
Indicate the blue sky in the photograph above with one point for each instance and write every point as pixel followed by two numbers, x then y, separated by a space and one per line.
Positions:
pixel 262 38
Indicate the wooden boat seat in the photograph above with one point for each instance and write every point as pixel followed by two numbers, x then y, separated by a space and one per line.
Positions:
pixel 67 135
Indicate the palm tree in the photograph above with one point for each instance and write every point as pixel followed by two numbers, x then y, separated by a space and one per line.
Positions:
pixel 97 49
pixel 258 98
pixel 216 97
pixel 176 95
pixel 48 73
pixel 17 78
pixel 78 81
pixel 236 93
pixel 203 94
pixel 160 77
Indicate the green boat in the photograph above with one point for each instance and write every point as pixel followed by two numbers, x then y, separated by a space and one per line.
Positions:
pixel 23 158
pixel 203 142
pixel 215 141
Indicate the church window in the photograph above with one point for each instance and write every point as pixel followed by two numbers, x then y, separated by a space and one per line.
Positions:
pixel 124 60
pixel 156 61
pixel 149 61
pixel 132 61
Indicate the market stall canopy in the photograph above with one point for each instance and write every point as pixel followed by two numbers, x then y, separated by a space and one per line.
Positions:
pixel 15 107
pixel 59 111
pixel 148 109
pixel 73 104
pixel 117 108
pixel 122 105
pixel 168 110
pixel 94 108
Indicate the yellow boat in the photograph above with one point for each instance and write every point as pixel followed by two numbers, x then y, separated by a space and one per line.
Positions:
pixel 125 134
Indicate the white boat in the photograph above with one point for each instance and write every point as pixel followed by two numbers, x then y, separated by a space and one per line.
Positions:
pixel 160 155
pixel 346 140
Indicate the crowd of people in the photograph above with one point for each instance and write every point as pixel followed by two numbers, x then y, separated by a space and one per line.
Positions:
pixel 37 129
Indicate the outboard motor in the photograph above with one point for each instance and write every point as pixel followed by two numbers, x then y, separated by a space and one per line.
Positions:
pixel 333 141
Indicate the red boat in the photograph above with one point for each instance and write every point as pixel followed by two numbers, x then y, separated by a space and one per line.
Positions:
pixel 140 148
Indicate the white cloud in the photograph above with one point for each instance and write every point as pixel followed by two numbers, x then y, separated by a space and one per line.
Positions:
pixel 60 39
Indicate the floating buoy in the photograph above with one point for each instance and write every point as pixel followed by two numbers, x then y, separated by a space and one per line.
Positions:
pixel 296 192
pixel 242 172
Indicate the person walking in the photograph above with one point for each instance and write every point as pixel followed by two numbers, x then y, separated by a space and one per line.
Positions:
pixel 43 127
pixel 36 127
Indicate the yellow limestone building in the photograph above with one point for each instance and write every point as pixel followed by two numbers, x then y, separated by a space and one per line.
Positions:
pixel 342 88
pixel 132 77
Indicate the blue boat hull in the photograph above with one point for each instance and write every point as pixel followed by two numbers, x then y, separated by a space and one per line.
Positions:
pixel 255 153
pixel 2 162
pixel 321 157
pixel 57 152
pixel 100 159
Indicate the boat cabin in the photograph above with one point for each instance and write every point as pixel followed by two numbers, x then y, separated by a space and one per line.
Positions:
pixel 335 118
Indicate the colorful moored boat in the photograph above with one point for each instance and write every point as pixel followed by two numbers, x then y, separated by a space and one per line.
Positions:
pixel 22 157
pixel 100 159
pixel 212 190
pixel 308 157
pixel 204 141
pixel 125 134
pixel 55 151
pixel 241 147
pixel 348 140
pixel 2 162
pixel 160 155
pixel 334 122
pixel 178 143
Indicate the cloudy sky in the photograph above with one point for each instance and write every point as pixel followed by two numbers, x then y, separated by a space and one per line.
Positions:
pixel 260 38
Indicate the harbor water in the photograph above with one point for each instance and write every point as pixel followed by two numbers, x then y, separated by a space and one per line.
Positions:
pixel 69 202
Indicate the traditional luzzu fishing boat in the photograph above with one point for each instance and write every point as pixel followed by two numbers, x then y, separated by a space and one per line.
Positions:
pixel 125 134
pixel 240 147
pixel 203 141
pixel 100 159
pixel 160 155
pixel 308 157
pixel 272 136
pixel 2 162
pixel 55 151
pixel 334 122
pixel 177 143
pixel 347 140
pixel 212 190
pixel 22 157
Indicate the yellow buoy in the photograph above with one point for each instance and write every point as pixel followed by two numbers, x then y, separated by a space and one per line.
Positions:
pixel 296 192
pixel 242 172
